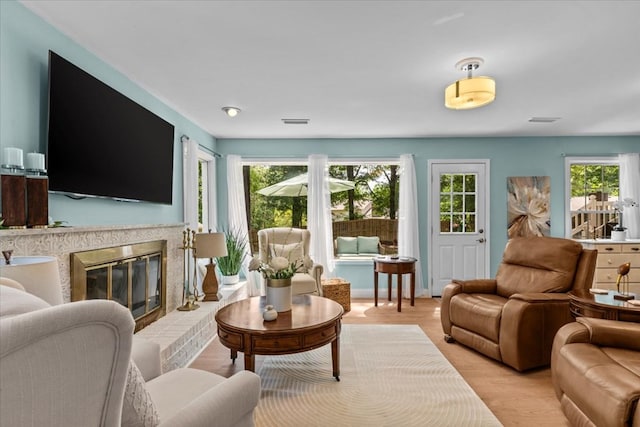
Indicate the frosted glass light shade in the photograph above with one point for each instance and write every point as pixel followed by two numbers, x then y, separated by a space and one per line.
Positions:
pixel 470 93
pixel 210 245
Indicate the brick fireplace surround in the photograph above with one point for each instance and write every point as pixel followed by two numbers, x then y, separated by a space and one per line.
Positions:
pixel 197 327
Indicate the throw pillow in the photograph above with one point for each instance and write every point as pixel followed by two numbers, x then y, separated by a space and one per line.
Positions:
pixel 292 251
pixel 347 245
pixel 368 245
pixel 16 301
pixel 138 410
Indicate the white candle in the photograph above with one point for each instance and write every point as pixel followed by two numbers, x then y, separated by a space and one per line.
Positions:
pixel 35 161
pixel 13 157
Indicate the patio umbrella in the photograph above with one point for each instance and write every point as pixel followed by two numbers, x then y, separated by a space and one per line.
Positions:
pixel 297 186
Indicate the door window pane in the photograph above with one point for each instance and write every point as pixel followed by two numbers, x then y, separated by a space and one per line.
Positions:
pixel 458 203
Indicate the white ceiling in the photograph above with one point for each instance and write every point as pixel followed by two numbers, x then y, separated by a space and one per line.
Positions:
pixel 371 68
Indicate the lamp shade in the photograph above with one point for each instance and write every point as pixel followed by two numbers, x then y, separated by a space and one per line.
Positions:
pixel 210 245
pixel 470 93
pixel 39 275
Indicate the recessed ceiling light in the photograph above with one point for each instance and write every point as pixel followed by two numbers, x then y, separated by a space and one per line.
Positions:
pixel 231 111
pixel 544 119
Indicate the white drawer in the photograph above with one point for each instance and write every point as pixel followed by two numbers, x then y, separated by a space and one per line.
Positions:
pixel 609 275
pixel 608 248
pixel 614 260
pixel 632 249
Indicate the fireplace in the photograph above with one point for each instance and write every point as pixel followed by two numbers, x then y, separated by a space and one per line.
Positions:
pixel 133 275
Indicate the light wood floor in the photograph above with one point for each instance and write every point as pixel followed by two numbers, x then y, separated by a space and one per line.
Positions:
pixel 517 399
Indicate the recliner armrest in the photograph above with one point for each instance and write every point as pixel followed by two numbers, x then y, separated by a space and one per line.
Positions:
pixel 477 286
pixel 612 333
pixel 541 297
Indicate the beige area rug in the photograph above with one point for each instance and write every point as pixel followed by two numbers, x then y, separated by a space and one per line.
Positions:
pixel 390 375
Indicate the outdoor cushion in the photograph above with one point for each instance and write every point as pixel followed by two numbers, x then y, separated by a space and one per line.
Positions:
pixel 347 245
pixel 368 245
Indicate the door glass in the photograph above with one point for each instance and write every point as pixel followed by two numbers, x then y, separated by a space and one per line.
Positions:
pixel 458 203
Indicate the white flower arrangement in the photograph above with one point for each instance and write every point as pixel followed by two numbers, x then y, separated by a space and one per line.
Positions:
pixel 278 267
pixel 619 206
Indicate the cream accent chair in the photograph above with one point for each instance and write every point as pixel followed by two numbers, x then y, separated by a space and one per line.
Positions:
pixel 70 365
pixel 291 243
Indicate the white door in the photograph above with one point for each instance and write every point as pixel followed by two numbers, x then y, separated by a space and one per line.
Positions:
pixel 458 248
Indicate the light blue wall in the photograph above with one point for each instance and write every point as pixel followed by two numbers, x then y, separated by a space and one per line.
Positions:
pixel 25 41
pixel 508 157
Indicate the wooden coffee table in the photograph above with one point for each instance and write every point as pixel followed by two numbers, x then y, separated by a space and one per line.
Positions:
pixel 312 322
pixel 602 306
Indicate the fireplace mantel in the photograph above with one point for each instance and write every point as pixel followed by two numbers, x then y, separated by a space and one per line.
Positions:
pixel 62 241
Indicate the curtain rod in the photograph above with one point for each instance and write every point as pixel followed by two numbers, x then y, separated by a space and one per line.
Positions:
pixel 185 138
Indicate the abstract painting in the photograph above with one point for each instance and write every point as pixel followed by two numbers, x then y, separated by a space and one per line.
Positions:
pixel 528 211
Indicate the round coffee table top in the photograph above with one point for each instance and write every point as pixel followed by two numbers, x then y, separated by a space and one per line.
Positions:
pixel 307 311
pixel 388 259
pixel 607 299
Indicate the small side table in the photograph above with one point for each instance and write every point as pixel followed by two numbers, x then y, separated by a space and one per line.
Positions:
pixel 338 290
pixel 391 266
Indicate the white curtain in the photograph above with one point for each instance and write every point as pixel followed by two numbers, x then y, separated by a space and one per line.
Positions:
pixel 630 188
pixel 408 236
pixel 238 219
pixel 319 213
pixel 190 182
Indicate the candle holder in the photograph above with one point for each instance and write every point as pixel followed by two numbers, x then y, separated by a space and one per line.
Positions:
pixel 37 192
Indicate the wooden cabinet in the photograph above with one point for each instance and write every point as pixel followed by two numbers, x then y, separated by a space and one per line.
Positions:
pixel 610 256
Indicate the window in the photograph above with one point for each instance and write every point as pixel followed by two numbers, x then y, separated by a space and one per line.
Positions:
pixel 206 198
pixel 369 209
pixel 593 186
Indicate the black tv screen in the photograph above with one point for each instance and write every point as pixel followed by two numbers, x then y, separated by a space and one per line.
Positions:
pixel 101 143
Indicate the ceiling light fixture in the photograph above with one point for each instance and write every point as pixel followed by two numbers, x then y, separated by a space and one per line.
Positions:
pixel 471 92
pixel 231 111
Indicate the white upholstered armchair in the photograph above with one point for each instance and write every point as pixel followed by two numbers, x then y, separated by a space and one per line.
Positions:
pixel 71 365
pixel 293 244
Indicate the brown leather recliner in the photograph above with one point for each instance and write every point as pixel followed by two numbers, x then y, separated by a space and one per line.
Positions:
pixel 514 317
pixel 595 370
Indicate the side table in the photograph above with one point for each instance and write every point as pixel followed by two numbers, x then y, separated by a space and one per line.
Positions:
pixel 338 290
pixel 398 266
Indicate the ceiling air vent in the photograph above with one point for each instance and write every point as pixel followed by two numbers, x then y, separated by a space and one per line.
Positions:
pixel 544 119
pixel 295 121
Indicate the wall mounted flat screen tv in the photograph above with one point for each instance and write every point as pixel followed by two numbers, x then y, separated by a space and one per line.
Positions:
pixel 101 143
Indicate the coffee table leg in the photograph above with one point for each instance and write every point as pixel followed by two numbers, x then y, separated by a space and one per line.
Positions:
pixel 249 362
pixel 335 357
pixel 234 356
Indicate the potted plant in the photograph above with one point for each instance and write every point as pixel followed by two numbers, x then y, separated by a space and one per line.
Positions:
pixel 618 234
pixel 230 265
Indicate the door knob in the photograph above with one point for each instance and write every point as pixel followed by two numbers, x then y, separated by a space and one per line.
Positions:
pixel 480 240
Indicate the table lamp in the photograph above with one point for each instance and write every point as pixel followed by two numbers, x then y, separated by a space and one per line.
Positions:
pixel 210 245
